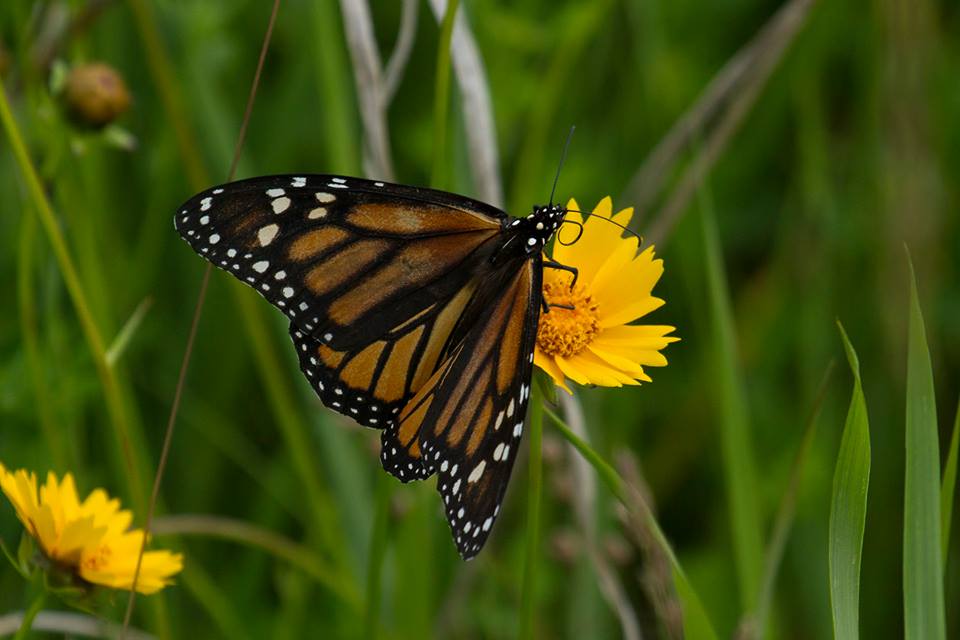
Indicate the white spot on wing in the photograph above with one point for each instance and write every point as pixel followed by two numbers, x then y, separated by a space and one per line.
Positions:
pixel 316 214
pixel 477 471
pixel 280 204
pixel 323 196
pixel 267 233
pixel 275 193
pixel 261 266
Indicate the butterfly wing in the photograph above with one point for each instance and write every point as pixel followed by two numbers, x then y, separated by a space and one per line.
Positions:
pixel 397 316
pixel 465 423
pixel 347 260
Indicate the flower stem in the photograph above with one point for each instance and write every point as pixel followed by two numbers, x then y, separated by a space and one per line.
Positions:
pixel 442 95
pixel 29 616
pixel 116 409
pixel 535 490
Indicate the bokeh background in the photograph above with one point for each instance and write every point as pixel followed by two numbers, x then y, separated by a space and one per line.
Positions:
pixel 780 154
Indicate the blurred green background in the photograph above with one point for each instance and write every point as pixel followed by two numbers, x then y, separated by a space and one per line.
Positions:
pixel 850 150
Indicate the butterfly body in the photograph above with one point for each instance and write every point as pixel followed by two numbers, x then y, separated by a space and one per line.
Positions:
pixel 413 311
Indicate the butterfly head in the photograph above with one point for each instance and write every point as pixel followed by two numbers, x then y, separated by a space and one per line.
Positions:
pixel 538 227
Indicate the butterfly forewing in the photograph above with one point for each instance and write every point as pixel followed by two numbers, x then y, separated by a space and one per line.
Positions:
pixel 345 259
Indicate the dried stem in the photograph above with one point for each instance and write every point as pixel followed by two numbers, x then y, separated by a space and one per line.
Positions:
pixel 746 72
pixel 371 87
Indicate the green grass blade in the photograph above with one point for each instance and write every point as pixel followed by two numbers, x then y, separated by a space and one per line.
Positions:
pixel 534 495
pixel 924 617
pixel 848 508
pixel 441 97
pixel 120 343
pixel 738 463
pixel 947 488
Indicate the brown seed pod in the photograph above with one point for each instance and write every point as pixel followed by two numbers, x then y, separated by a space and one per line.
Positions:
pixel 95 94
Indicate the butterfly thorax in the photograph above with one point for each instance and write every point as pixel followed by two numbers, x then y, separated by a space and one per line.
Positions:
pixel 526 236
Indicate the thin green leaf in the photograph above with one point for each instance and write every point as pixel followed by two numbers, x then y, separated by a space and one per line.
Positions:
pixel 119 344
pixel 534 493
pixel 848 508
pixel 738 463
pixel 924 617
pixel 696 623
pixel 947 488
pixel 441 97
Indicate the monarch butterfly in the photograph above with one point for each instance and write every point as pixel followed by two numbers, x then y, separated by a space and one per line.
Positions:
pixel 412 310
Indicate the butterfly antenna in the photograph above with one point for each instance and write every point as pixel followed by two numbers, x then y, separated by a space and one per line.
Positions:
pixel 563 157
pixel 610 220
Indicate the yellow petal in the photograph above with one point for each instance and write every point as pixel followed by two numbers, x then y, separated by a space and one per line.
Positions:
pixel 629 312
pixel 77 535
pixel 547 363
pixel 620 362
pixel 595 370
pixel 571 371
pixel 589 252
pixel 637 334
pixel 625 283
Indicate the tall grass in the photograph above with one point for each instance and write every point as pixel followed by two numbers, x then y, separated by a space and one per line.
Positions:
pixel 279 504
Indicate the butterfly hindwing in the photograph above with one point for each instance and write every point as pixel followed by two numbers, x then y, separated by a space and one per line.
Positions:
pixel 471 430
pixel 345 259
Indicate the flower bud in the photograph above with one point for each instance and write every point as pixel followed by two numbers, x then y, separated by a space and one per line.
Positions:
pixel 95 94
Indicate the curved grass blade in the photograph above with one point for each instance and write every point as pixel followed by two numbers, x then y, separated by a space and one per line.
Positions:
pixel 947 488
pixel 923 606
pixel 848 508
pixel 739 467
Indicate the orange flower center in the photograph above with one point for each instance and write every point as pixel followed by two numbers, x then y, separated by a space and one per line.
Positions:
pixel 565 332
pixel 97 561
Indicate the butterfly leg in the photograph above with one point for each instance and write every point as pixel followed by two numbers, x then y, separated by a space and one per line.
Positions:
pixel 562 267
pixel 547 306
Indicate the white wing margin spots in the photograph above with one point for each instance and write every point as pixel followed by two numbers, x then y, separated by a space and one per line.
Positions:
pixel 471 444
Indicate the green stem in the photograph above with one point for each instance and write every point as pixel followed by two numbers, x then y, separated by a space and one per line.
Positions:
pixel 302 557
pixel 31 343
pixel 29 616
pixel 378 550
pixel 115 406
pixel 535 490
pixel 441 96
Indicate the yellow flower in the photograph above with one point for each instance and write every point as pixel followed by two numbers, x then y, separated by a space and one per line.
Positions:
pixel 593 343
pixel 92 539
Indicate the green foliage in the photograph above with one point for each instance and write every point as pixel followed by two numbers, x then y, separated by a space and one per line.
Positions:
pixel 850 151
pixel 922 570
pixel 848 508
